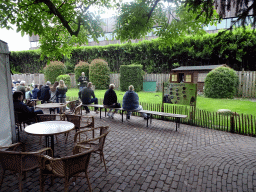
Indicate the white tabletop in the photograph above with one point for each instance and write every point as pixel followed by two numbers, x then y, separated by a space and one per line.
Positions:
pixel 49 128
pixel 50 105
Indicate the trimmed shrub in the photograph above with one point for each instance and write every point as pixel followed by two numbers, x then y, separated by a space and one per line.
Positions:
pixel 221 83
pixel 66 79
pixel 131 75
pixel 82 66
pixel 53 70
pixel 99 73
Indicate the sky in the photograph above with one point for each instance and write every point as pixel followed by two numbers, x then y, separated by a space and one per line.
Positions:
pixel 15 41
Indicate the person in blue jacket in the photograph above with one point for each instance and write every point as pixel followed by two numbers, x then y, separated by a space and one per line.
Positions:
pixel 45 92
pixel 26 111
pixel 131 102
pixel 34 92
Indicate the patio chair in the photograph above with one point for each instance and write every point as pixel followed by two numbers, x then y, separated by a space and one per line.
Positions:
pixel 19 119
pixel 97 143
pixel 18 162
pixel 46 117
pixel 65 167
pixel 72 106
pixel 78 119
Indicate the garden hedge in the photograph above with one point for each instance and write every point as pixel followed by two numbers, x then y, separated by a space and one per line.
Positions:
pixel 99 73
pixel 131 75
pixel 66 79
pixel 82 66
pixel 236 49
pixel 53 70
pixel 221 82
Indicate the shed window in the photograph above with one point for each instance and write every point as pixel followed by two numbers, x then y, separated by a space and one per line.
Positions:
pixel 174 77
pixel 201 77
pixel 188 78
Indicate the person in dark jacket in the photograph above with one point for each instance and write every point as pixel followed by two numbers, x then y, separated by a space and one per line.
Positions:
pixel 110 100
pixel 45 92
pixel 87 96
pixel 35 92
pixel 39 92
pixel 27 112
pixel 61 93
pixel 131 102
pixel 83 80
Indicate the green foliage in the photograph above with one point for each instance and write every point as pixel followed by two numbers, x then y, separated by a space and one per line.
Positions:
pixel 66 79
pixel 99 73
pixel 221 83
pixel 82 66
pixel 53 70
pixel 131 75
pixel 236 49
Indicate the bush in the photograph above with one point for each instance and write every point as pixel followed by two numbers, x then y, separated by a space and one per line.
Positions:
pixel 221 82
pixel 99 73
pixel 66 79
pixel 131 75
pixel 82 66
pixel 53 70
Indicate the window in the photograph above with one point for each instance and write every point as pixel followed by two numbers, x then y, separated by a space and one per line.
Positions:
pixel 201 77
pixel 174 77
pixel 188 78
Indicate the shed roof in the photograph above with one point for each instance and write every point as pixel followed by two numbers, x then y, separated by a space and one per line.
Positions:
pixel 197 68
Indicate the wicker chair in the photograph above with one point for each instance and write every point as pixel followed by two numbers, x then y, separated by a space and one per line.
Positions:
pixel 46 117
pixel 72 106
pixel 97 143
pixel 19 119
pixel 65 167
pixel 77 119
pixel 19 162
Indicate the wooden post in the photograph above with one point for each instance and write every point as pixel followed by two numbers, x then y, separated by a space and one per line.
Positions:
pixel 232 124
pixel 162 108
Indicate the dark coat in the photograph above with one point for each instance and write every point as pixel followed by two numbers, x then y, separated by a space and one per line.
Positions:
pixel 61 92
pixel 34 93
pixel 130 100
pixel 110 97
pixel 45 93
pixel 26 112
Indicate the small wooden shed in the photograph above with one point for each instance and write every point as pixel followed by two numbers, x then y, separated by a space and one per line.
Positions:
pixel 192 74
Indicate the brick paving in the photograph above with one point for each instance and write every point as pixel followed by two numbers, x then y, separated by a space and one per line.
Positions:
pixel 156 158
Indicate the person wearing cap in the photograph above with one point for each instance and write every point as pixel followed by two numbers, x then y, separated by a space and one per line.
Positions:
pixel 45 92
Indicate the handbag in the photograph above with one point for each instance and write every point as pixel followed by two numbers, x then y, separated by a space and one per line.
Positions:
pixel 117 105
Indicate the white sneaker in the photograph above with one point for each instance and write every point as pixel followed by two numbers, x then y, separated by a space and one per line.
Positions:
pixel 109 115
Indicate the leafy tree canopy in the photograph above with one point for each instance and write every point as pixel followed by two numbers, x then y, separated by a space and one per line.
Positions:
pixel 62 24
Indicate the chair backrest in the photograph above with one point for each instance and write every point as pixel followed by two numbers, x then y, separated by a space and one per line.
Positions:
pixel 76 119
pixel 103 131
pixel 17 116
pixel 76 163
pixel 11 160
pixel 46 117
pixel 78 109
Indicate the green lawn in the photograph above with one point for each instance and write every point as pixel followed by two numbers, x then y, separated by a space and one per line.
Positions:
pixel 212 105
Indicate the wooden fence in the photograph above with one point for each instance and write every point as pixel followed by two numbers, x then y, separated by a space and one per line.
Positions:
pixel 159 78
pixel 246 87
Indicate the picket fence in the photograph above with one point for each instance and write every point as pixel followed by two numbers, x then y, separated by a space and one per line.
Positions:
pixel 237 123
pixel 246 87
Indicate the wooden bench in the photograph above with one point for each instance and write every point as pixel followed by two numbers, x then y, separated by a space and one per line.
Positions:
pixel 176 116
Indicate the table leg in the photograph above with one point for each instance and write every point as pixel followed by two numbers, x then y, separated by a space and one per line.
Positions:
pixel 122 115
pixel 52 144
pixel 151 118
pixel 100 112
pixel 105 112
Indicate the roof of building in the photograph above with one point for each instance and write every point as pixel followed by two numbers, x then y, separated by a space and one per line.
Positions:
pixel 197 68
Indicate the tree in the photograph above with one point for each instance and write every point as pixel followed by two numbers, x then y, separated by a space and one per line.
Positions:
pixel 62 24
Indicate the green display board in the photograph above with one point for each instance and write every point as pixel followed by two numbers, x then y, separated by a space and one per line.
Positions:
pixel 180 93
pixel 149 86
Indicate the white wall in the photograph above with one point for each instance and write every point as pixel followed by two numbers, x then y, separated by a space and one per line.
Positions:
pixel 7 124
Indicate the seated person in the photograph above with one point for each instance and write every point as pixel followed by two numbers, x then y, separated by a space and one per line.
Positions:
pixel 87 97
pixel 35 91
pixel 28 94
pixel 131 102
pixel 45 92
pixel 110 100
pixel 27 113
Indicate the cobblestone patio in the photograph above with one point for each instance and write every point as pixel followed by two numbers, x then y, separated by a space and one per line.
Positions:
pixel 156 158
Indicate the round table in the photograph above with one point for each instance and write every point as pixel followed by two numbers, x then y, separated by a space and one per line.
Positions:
pixel 51 106
pixel 49 129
